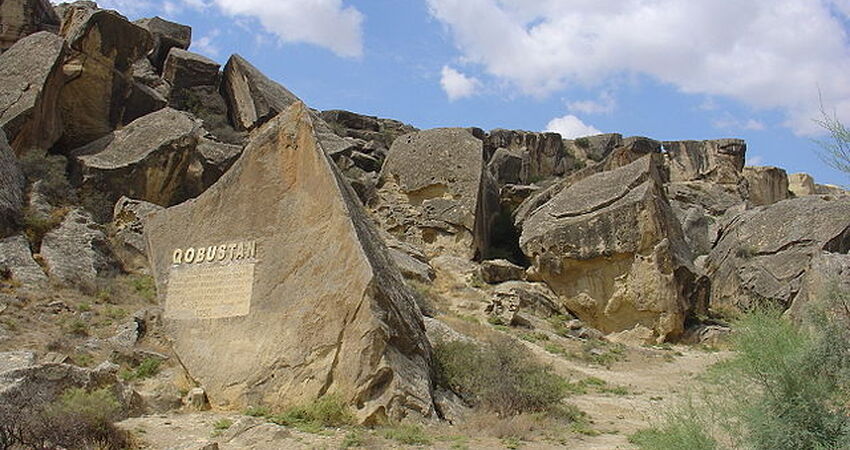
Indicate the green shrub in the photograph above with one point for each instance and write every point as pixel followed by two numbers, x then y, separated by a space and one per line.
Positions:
pixel 50 170
pixel 328 411
pixel 500 377
pixel 785 388
pixel 145 286
pixel 147 369
pixel 257 411
pixel 78 419
pixel 583 143
pixel 78 327
pixel 37 226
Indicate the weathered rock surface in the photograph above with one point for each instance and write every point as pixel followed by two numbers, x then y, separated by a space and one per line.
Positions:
pixel 209 162
pixel 827 277
pixel 166 35
pixel 762 254
pixel 142 101
pixel 37 386
pixel 766 185
pixel 253 97
pixel 719 161
pixel 128 225
pixel 512 297
pixel 801 184
pixel 77 252
pixel 542 155
pixel 506 166
pixel 12 189
pixel 325 311
pixel 700 207
pixel 611 247
pixel 370 129
pixel 436 192
pixel 104 47
pixel 184 69
pixel 597 148
pixel 15 256
pixel 146 160
pixel 21 18
pixel 497 271
pixel 412 268
pixel 30 82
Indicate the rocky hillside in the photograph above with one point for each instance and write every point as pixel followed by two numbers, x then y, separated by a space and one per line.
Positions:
pixel 188 236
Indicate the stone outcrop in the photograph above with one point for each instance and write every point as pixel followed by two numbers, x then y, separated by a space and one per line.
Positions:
pixel 801 184
pixel 542 155
pixel 762 254
pixel 184 69
pixel 30 82
pixel 369 129
pixel 146 160
pixel 166 35
pixel 511 298
pixel 129 245
pixel 209 162
pixel 700 207
pixel 12 189
pixel 142 101
pixel 21 18
pixel 104 46
pixel 317 310
pixel 766 185
pixel 719 161
pixel 15 256
pixel 253 97
pixel 436 192
pixel 77 252
pixel 497 271
pixel 611 247
pixel 827 277
pixel 597 148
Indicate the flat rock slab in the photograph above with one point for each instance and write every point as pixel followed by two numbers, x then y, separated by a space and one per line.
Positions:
pixel 16 257
pixel 277 289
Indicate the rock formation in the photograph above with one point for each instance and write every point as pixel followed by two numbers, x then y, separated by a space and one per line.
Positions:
pixel 316 310
pixel 21 18
pixel 766 185
pixel 166 35
pixel 30 80
pixel 718 161
pixel 611 247
pixel 77 253
pixel 12 188
pixel 762 254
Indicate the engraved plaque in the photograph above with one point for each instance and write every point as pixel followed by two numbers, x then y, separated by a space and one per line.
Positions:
pixel 209 291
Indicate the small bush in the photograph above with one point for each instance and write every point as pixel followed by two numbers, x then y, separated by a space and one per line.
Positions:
pixel 257 411
pixel 500 377
pixel 145 286
pixel 37 226
pixel 326 412
pixel 147 369
pixel 78 327
pixel 50 170
pixel 583 143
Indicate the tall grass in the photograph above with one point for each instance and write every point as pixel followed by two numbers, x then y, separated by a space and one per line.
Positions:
pixel 785 388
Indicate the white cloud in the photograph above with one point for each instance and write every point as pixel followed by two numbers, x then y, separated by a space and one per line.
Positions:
pixel 764 53
pixel 755 161
pixel 571 127
pixel 326 23
pixel 606 104
pixel 457 85
pixel 206 46
pixel 728 122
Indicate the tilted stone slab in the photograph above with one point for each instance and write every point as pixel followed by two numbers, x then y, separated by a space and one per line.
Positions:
pixel 611 247
pixel 21 18
pixel 30 83
pixel 12 188
pixel 278 290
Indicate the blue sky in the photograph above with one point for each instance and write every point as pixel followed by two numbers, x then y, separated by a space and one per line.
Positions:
pixel 667 69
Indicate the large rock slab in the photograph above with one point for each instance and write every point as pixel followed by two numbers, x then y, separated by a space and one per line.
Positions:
pixel 826 281
pixel 12 189
pixel 15 256
pixel 719 161
pixel 801 184
pixel 278 289
pixel 104 47
pixel 253 97
pixel 77 252
pixel 543 155
pixel 762 254
pixel 21 18
pixel 184 69
pixel 129 244
pixel 147 160
pixel 437 193
pixel 611 247
pixel 30 82
pixel 700 207
pixel 766 185
pixel 166 35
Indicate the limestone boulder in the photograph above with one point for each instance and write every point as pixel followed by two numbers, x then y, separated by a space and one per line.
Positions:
pixel 437 193
pixel 142 101
pixel 412 268
pixel 762 254
pixel 129 243
pixel 281 291
pixel 829 189
pixel 801 184
pixel 766 185
pixel 370 129
pixel 12 189
pixel 21 18
pixel 718 161
pixel 147 160
pixel 543 155
pixel 611 247
pixel 506 167
pixel 30 83
pixel 700 207
pixel 184 69
pixel 597 148
pixel 210 161
pixel 523 296
pixel 77 253
pixel 15 256
pixel 825 281
pixel 497 271
pixel 253 97
pixel 104 46
pixel 166 35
